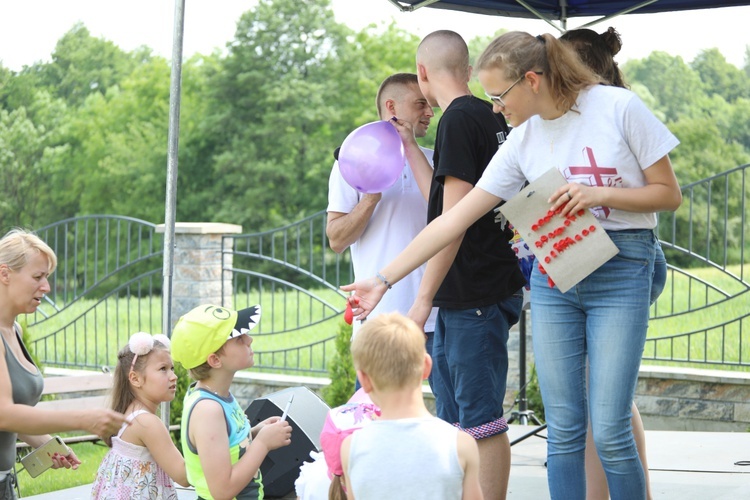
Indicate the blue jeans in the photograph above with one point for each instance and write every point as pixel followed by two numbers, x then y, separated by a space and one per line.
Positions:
pixel 470 365
pixel 659 277
pixel 604 318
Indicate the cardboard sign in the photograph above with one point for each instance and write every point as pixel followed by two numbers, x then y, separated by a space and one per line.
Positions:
pixel 568 248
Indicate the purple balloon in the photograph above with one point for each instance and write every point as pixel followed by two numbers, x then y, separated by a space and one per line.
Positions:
pixel 372 157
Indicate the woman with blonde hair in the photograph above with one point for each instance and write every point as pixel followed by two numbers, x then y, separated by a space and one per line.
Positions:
pixel 25 265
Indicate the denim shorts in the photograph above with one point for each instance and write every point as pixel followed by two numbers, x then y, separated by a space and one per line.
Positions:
pixel 470 365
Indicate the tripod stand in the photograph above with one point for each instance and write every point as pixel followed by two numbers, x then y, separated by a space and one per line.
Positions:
pixel 523 414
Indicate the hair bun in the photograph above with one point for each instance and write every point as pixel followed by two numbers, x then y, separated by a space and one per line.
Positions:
pixel 612 40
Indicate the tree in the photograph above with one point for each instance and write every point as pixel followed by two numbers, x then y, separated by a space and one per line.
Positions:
pixel 672 82
pixel 82 64
pixel 123 144
pixel 276 114
pixel 721 77
pixel 26 160
pixel 738 123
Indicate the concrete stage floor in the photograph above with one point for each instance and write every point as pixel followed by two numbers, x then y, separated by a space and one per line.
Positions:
pixel 683 466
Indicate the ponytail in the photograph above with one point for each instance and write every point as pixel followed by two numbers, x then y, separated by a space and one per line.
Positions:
pixel 336 490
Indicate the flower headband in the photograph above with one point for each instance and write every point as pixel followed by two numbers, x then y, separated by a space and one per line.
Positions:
pixel 142 343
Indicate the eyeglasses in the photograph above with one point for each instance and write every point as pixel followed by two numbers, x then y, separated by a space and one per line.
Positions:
pixel 498 99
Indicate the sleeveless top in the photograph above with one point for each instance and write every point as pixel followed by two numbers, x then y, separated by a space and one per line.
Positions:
pixel 238 430
pixel 406 458
pixel 26 390
pixel 130 471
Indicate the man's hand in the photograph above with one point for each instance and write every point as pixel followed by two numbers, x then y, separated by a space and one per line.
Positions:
pixel 419 312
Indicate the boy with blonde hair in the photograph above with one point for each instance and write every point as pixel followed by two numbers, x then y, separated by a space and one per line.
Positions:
pixel 222 452
pixel 442 461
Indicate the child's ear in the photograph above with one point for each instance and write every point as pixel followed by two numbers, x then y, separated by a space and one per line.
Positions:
pixel 427 366
pixel 213 360
pixel 134 379
pixel 365 381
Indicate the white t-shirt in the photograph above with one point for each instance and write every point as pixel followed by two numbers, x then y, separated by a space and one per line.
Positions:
pixel 398 217
pixel 406 458
pixel 609 141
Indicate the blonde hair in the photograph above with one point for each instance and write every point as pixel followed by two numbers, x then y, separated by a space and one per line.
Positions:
pixel 17 246
pixel 514 53
pixel 336 488
pixel 390 349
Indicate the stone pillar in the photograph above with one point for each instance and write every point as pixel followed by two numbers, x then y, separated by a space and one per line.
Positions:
pixel 198 265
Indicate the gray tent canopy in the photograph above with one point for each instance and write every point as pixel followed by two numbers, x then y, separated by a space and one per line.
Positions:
pixel 562 10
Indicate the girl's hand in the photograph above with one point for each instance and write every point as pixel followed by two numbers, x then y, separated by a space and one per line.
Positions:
pixel 70 461
pixel 573 197
pixel 366 294
pixel 275 435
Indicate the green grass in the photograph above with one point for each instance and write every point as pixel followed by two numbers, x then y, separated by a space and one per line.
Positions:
pixel 90 455
pixel 104 328
pixel 92 333
pixel 726 340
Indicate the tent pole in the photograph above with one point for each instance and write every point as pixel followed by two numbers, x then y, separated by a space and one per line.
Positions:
pixel 175 86
pixel 621 13
pixel 540 15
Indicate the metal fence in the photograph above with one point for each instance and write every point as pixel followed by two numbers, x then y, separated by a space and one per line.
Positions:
pixel 108 285
pixel 294 275
pixel 705 319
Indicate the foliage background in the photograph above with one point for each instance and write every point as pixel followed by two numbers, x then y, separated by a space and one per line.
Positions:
pixel 87 132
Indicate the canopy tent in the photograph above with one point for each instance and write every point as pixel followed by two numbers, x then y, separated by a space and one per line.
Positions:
pixel 562 10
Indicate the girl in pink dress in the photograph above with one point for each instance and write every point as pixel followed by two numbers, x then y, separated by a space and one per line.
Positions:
pixel 143 463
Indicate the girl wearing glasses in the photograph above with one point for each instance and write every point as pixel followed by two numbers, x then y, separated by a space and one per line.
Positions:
pixel 614 154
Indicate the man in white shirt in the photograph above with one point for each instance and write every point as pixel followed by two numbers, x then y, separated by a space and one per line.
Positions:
pixel 378 226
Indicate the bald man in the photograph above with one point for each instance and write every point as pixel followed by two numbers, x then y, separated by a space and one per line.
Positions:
pixel 476 281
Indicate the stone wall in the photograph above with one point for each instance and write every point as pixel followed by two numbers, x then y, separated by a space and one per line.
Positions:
pixel 198 259
pixel 689 399
pixel 669 398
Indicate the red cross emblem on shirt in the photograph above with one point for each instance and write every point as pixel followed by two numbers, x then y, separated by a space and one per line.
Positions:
pixel 594 172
